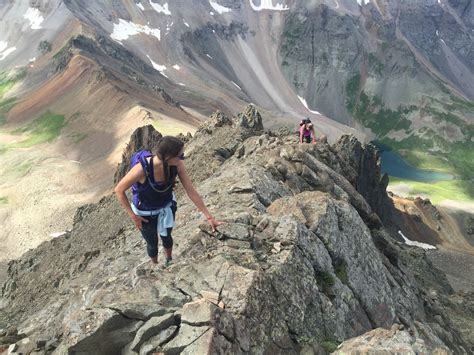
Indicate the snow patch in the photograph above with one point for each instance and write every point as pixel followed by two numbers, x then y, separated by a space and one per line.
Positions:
pixel 3 46
pixel 437 33
pixel 32 59
pixel 34 16
pixel 125 29
pixel 209 56
pixel 160 68
pixel 365 2
pixel 57 234
pixel 337 4
pixel 219 8
pixel 140 6
pixel 177 67
pixel 268 5
pixel 6 52
pixel 212 14
pixel 305 104
pixel 416 244
pixel 181 84
pixel 236 85
pixel 168 27
pixel 186 24
pixel 442 40
pixel 161 8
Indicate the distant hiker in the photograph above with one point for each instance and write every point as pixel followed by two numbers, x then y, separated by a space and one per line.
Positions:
pixel 307 133
pixel 152 178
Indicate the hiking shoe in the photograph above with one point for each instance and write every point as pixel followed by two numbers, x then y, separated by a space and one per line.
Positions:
pixel 168 263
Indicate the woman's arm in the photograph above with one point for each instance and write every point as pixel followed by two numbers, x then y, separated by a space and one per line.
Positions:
pixel 301 133
pixel 313 134
pixel 135 174
pixel 194 195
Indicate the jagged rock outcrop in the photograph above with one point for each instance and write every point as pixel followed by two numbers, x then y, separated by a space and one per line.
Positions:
pixel 367 178
pixel 298 265
pixel 145 137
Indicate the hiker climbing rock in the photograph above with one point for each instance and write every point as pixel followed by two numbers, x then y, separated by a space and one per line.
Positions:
pixel 153 208
pixel 307 133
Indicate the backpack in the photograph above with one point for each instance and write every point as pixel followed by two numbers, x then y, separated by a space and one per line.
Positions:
pixel 148 196
pixel 305 121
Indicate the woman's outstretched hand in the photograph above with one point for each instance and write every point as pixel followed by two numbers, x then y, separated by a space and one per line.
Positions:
pixel 214 223
pixel 138 220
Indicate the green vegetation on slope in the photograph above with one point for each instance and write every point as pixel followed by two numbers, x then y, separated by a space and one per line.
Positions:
pixel 44 129
pixel 458 159
pixel 18 169
pixel 45 47
pixel 6 106
pixel 371 111
pixel 427 161
pixel 330 345
pixel 427 149
pixel 3 200
pixel 5 86
pixel 7 81
pixel 458 190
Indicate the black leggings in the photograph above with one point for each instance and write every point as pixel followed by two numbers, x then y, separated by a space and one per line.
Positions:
pixel 150 234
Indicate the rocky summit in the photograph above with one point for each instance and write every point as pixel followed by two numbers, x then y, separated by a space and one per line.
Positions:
pixel 303 263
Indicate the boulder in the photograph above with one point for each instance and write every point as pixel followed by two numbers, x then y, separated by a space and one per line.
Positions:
pixel 384 341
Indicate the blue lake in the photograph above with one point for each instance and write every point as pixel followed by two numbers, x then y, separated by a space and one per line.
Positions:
pixel 394 165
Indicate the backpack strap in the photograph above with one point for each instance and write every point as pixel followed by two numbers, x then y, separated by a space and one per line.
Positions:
pixel 149 174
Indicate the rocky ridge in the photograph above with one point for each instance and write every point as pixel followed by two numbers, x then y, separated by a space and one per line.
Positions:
pixel 302 264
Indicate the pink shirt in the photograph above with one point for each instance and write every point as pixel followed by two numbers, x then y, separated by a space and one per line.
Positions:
pixel 306 133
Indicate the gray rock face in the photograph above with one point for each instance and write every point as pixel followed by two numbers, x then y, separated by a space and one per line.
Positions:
pixel 384 341
pixel 297 265
pixel 150 328
pixel 367 177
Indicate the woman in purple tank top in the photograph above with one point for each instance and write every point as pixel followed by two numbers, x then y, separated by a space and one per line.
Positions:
pixel 307 133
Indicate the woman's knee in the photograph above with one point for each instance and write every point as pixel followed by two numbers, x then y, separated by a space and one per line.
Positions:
pixel 167 241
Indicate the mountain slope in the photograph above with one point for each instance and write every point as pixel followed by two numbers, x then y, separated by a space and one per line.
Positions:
pixel 303 261
pixel 395 71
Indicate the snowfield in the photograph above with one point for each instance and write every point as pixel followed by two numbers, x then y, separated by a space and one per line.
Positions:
pixel 219 8
pixel 160 68
pixel 34 17
pixel 125 29
pixel 268 5
pixel 416 244
pixel 4 52
pixel 161 8
pixel 305 104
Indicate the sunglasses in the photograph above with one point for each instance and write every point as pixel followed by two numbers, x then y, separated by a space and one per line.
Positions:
pixel 181 156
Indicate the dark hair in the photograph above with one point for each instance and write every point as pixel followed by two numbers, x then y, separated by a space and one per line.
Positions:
pixel 168 147
pixel 305 121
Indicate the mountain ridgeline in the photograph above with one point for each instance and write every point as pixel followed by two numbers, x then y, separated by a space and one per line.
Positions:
pixel 305 260
pixel 403 70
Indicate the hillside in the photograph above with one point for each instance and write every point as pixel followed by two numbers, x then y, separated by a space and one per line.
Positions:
pixel 303 263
